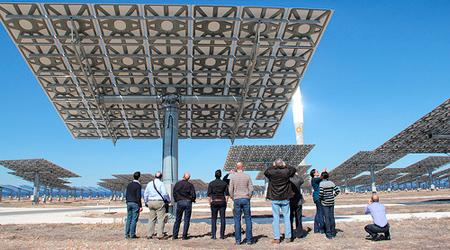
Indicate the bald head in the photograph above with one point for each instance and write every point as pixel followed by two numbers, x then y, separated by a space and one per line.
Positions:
pixel 375 198
pixel 158 175
pixel 186 176
pixel 239 166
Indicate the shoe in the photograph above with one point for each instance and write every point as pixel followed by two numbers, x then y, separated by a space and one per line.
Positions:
pixel 369 237
pixel 387 237
pixel 237 243
pixel 213 238
pixel 249 243
pixel 222 237
pixel 378 238
pixel 275 241
pixel 127 237
pixel 149 237
pixel 134 237
pixel 329 237
pixel 185 238
pixel 174 238
pixel 290 240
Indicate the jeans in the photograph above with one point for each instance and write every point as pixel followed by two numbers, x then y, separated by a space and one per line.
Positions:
pixel 132 218
pixel 239 206
pixel 330 225
pixel 318 219
pixel 215 209
pixel 183 206
pixel 157 213
pixel 284 206
pixel 296 214
pixel 374 230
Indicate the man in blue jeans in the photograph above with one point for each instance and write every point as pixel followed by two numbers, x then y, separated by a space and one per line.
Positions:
pixel 279 191
pixel 184 195
pixel 319 226
pixel 241 190
pixel 134 206
pixel 327 194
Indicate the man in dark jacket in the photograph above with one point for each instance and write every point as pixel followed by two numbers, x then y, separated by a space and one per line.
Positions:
pixel 296 206
pixel 184 195
pixel 218 199
pixel 134 206
pixel 280 192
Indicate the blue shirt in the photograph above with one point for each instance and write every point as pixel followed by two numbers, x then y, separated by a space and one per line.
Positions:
pixel 151 194
pixel 315 182
pixel 378 213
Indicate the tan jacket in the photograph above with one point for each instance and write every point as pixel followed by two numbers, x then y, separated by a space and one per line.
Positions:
pixel 240 186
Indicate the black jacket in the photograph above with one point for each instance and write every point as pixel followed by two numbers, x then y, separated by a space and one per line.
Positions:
pixel 217 188
pixel 280 187
pixel 133 193
pixel 297 182
pixel 184 190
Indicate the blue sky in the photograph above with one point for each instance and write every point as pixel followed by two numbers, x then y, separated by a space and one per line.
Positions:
pixel 380 66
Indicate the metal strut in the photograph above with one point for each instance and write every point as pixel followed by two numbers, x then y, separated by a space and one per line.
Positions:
pixel 170 142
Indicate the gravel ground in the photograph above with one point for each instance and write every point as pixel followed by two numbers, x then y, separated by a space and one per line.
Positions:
pixel 407 234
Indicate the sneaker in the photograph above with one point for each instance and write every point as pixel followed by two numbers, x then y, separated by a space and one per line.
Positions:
pixel 249 243
pixel 329 237
pixel 370 237
pixel 275 241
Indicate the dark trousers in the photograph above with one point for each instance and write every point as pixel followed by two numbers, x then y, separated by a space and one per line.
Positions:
pixel 239 206
pixel 132 219
pixel 183 206
pixel 330 224
pixel 374 230
pixel 318 219
pixel 296 215
pixel 215 209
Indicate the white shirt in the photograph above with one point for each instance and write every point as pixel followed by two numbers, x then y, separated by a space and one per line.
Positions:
pixel 151 194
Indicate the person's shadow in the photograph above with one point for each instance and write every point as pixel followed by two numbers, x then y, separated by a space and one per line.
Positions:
pixel 258 237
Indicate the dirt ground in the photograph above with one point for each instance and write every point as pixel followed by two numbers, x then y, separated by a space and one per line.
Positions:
pixel 406 234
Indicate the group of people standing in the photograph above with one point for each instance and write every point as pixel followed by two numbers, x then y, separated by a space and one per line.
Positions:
pixel 284 192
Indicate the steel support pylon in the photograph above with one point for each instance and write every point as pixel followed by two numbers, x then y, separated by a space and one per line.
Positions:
pixel 372 179
pixel 170 143
pixel 36 189
pixel 430 175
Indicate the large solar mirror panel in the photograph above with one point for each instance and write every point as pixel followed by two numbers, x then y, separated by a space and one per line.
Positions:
pixel 423 167
pixel 50 174
pixel 259 157
pixel 363 161
pixel 82 52
pixel 429 134
pixel 41 166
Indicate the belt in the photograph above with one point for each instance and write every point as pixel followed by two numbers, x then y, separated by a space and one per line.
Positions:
pixel 155 200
